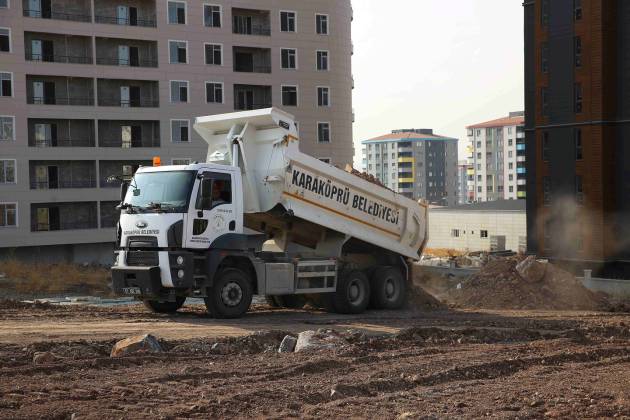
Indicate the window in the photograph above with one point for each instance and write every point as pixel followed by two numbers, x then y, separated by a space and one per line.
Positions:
pixel 544 57
pixel 511 177
pixel 543 101
pixel 479 178
pixel 579 191
pixel 180 161
pixel 510 165
pixel 510 154
pixel 177 12
pixel 322 60
pixel 287 21
pixel 7 171
pixel 455 233
pixel 214 54
pixel 546 191
pixel 4 4
pixel 212 15
pixel 5 40
pixel 289 58
pixel 321 24
pixel 214 93
pixel 289 95
pixel 479 189
pixel 544 13
pixel 327 160
pixel 179 131
pixel 510 142
pixel 323 132
pixel 577 51
pixel 6 128
pixel 178 52
pixel 478 145
pixel 577 9
pixel 323 96
pixel 6 84
pixel 8 214
pixel 217 193
pixel 483 233
pixel 577 136
pixel 578 97
pixel 545 146
pixel 179 91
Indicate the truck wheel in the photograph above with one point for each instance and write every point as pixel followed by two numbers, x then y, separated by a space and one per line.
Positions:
pixel 231 295
pixel 164 307
pixel 389 288
pixel 353 293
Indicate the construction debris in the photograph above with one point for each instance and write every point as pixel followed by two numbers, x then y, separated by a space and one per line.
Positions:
pixel 288 344
pixel 364 175
pixel 137 344
pixel 322 339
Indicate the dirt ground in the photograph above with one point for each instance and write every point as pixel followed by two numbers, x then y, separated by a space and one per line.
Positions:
pixel 396 364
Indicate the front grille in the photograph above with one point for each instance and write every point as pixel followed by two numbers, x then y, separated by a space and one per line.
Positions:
pixel 143 258
pixel 142 242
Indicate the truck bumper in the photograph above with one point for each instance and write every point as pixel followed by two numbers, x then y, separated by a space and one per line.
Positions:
pixel 136 281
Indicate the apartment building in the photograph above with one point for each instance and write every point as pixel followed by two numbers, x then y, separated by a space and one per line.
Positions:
pixel 416 163
pixel 497 159
pixel 577 116
pixel 464 171
pixel 94 88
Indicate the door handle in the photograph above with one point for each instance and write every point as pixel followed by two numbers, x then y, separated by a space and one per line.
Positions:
pixel 232 225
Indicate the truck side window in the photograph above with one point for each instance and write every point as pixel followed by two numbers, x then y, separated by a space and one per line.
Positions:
pixel 221 192
pixel 214 191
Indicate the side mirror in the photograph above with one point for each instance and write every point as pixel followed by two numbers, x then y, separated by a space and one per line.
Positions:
pixel 204 198
pixel 124 186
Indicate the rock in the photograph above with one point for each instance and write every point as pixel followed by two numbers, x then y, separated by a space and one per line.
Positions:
pixel 287 345
pixel 44 358
pixel 531 270
pixel 137 344
pixel 318 340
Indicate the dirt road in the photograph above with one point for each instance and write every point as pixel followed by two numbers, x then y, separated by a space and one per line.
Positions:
pixel 444 364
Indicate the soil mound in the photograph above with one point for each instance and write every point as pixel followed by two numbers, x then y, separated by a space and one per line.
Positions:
pixel 500 286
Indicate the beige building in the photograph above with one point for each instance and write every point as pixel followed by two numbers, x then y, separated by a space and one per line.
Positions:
pixel 489 226
pixel 93 88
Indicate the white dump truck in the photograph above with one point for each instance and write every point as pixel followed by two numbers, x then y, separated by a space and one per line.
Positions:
pixel 262 218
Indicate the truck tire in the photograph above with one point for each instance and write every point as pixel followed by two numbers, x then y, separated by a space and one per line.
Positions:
pixel 231 295
pixel 389 288
pixel 353 293
pixel 164 307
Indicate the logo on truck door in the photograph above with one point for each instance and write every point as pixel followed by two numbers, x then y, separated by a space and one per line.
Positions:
pixel 141 224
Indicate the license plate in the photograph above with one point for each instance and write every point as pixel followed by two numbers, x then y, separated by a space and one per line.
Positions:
pixel 131 291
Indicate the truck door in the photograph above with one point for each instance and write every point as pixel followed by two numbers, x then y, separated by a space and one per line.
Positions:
pixel 212 212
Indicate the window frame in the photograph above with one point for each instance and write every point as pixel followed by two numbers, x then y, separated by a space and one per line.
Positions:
pixel 206 83
pixel 282 49
pixel 578 99
pixel 297 95
pixel 579 189
pixel 10 40
pixel 327 60
pixel 171 130
pixel 205 54
pixel 12 117
pixel 319 141
pixel 17 224
pixel 545 146
pixel 203 15
pixel 577 135
pixel 10 73
pixel 577 56
pixel 8 5
pixel 544 57
pixel 544 101
pixel 168 22
pixel 481 234
pixel 169 51
pixel 170 92
pixel 317 88
pixel 546 191
pixel 15 171
pixel 327 24
pixel 295 21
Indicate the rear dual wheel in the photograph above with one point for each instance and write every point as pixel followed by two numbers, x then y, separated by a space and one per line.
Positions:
pixel 353 293
pixel 389 288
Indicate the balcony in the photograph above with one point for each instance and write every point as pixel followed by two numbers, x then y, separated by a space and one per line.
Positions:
pixel 128 134
pixel 46 132
pixel 133 13
pixel 59 90
pixel 62 174
pixel 72 10
pixel 63 216
pixel 108 168
pixel 252 60
pixel 126 52
pixel 128 93
pixel 248 97
pixel 251 22
pixel 55 48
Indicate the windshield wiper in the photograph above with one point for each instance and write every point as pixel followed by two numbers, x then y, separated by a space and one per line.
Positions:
pixel 129 207
pixel 161 207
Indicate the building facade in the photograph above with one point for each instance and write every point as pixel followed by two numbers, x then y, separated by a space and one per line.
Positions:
pixel 497 159
pixel 489 226
pixel 577 56
pixel 415 163
pixel 93 88
pixel 464 169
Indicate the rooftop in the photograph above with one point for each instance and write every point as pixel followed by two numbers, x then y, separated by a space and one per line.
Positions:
pixel 489 206
pixel 409 135
pixel 515 118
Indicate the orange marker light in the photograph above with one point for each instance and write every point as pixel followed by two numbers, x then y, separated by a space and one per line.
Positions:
pixel 157 161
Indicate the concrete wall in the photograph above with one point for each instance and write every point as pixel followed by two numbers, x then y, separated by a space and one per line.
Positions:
pixel 511 224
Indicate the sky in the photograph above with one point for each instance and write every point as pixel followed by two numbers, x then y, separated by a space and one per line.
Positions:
pixel 440 64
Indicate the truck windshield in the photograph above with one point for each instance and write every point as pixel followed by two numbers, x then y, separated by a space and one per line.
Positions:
pixel 161 191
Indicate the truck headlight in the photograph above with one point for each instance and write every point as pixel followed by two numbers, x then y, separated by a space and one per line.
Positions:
pixel 180 260
pixel 180 274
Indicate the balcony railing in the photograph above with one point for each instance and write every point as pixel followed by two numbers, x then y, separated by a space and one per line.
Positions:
pixel 44 227
pixel 129 103
pixel 252 69
pixel 252 30
pixel 251 106
pixel 125 63
pixel 54 58
pixel 132 144
pixel 70 100
pixel 113 20
pixel 58 15
pixel 47 185
pixel 62 143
